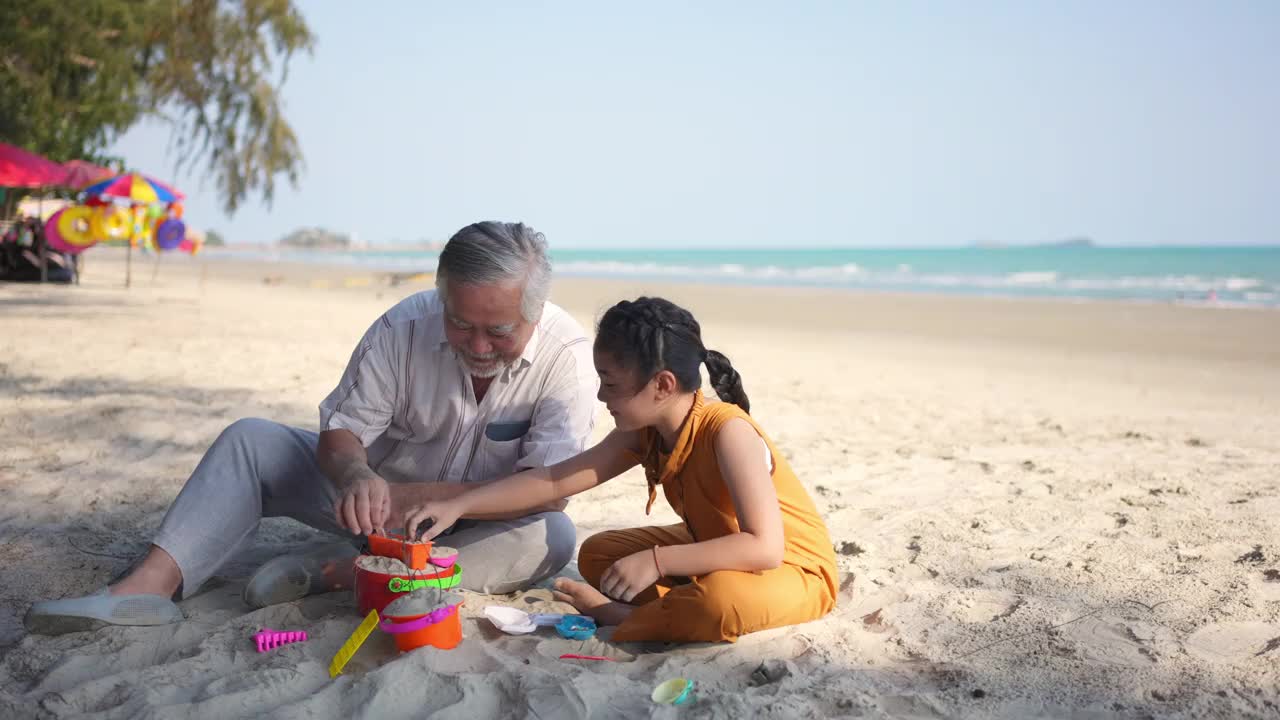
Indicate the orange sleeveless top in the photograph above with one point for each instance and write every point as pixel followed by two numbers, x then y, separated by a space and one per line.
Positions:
pixel 690 478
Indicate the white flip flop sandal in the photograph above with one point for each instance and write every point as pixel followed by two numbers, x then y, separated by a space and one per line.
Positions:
pixel 90 612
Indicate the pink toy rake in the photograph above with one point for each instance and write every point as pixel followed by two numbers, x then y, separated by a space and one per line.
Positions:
pixel 270 639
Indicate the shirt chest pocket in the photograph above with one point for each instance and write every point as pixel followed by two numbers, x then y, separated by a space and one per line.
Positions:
pixel 500 448
pixel 507 430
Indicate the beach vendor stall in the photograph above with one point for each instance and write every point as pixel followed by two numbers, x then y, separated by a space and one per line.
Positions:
pixel 24 255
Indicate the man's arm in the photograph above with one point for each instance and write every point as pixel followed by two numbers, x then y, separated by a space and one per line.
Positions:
pixel 364 498
pixel 353 415
pixel 342 458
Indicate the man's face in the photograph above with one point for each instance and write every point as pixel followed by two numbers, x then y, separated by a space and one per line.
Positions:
pixel 484 326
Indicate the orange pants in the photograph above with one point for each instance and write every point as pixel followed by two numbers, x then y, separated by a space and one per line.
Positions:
pixel 721 605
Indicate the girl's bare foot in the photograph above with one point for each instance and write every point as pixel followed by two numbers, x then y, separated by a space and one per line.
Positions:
pixel 590 601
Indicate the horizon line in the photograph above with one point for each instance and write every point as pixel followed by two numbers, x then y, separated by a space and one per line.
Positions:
pixel 809 248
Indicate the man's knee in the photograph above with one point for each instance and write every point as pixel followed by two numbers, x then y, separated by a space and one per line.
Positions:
pixel 276 460
pixel 562 538
pixel 505 556
pixel 250 430
pixel 265 446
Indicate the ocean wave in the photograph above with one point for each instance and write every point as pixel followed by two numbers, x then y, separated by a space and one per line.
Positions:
pixel 899 277
pixel 1046 277
pixel 1249 290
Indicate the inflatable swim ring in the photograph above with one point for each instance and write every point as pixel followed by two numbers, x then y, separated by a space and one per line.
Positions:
pixel 111 224
pixel 170 234
pixel 75 226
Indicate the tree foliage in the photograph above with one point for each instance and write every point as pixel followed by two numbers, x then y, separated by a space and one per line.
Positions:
pixel 75 75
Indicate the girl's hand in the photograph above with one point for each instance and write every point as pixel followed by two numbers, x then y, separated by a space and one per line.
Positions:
pixel 435 517
pixel 630 576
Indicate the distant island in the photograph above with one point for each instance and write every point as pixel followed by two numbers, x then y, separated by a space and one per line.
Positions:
pixel 318 238
pixel 315 239
pixel 1071 242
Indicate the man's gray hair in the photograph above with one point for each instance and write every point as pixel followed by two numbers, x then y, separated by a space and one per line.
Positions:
pixel 497 252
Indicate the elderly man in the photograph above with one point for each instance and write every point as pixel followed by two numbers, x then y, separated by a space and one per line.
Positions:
pixel 468 383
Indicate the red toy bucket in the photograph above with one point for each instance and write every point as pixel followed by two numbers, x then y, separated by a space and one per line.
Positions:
pixel 373 589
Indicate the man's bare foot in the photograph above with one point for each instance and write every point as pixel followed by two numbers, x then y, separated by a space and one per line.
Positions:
pixel 339 574
pixel 286 578
pixel 157 574
pixel 590 601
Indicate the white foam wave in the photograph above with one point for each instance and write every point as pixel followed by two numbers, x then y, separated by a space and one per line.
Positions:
pixel 902 277
pixel 1047 277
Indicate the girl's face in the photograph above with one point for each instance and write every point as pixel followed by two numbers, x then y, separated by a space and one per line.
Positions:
pixel 629 400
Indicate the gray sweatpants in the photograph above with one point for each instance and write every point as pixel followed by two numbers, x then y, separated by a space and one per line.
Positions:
pixel 258 468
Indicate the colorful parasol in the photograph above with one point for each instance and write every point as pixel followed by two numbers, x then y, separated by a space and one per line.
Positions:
pixel 19 168
pixel 136 187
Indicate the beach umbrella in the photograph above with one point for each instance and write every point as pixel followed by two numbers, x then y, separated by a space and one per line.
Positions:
pixel 139 190
pixel 81 173
pixel 134 187
pixel 22 169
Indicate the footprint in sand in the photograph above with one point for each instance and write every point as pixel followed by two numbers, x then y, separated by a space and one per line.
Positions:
pixel 1111 641
pixel 909 706
pixel 860 605
pixel 985 606
pixel 1234 642
pixel 596 647
pixel 1269 589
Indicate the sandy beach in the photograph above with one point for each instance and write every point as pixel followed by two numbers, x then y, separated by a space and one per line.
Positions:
pixel 1040 508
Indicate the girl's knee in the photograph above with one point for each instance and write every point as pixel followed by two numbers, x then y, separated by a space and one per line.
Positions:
pixel 712 617
pixel 683 616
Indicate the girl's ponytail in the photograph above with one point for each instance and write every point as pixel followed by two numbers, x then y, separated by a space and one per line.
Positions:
pixel 726 381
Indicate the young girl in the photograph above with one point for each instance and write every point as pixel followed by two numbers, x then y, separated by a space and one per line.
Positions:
pixel 752 552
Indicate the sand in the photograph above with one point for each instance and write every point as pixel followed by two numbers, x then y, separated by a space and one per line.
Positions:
pixel 393 566
pixel 420 602
pixel 1041 508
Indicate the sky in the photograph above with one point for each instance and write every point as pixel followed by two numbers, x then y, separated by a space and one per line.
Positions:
pixel 744 124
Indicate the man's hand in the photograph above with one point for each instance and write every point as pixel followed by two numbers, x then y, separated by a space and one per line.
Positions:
pixel 365 504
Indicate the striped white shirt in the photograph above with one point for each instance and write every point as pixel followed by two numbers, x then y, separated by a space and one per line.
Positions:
pixel 410 400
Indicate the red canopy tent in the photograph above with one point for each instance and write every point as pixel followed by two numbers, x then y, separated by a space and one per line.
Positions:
pixel 81 173
pixel 22 169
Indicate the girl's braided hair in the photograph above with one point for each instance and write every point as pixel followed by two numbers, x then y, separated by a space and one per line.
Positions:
pixel 649 335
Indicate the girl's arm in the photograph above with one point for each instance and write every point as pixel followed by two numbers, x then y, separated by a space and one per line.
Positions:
pixel 758 544
pixel 532 488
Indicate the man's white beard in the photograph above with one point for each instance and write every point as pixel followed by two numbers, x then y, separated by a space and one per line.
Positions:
pixel 493 370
